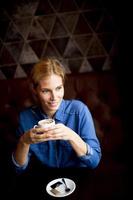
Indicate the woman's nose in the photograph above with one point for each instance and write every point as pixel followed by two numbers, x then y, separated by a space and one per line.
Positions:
pixel 53 95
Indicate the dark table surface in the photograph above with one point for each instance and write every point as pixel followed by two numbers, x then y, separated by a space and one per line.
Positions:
pixel 90 184
pixel 34 186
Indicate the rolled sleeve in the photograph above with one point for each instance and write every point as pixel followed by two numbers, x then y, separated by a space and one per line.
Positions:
pixel 19 168
pixel 91 158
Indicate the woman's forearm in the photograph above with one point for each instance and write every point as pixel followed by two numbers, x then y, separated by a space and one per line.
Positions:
pixel 78 145
pixel 21 152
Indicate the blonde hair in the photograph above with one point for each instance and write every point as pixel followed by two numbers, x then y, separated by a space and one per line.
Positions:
pixel 46 67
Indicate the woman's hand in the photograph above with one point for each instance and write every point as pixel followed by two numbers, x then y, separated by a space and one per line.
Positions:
pixel 62 132
pixel 57 132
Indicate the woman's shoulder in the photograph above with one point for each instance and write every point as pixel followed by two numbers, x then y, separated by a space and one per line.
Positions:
pixel 75 102
pixel 31 109
pixel 74 105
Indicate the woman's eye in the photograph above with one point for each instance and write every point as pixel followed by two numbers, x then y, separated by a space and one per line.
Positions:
pixel 45 91
pixel 59 88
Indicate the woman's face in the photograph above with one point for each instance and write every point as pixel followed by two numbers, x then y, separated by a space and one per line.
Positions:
pixel 50 92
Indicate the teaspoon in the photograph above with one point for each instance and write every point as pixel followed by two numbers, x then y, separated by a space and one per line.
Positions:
pixel 67 189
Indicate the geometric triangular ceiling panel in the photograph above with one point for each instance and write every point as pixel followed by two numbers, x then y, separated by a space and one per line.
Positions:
pixel 69 20
pixel 2 76
pixel 60 44
pixel 58 29
pixel 74 65
pixel 27 68
pixel 72 50
pixel 15 49
pixel 9 71
pixel 28 55
pixel 46 22
pixel 81 33
pixel 97 63
pixel 36 31
pixel 20 73
pixel 93 17
pixel 50 50
pixel 6 57
pixel 83 42
pixel 96 48
pixel 85 67
pixel 38 46
pixel 23 26
pixel 13 34
pixel 82 27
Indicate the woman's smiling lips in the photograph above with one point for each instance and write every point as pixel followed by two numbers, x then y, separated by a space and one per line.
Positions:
pixel 53 104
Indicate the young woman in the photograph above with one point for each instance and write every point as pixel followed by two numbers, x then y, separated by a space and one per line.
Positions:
pixel 72 141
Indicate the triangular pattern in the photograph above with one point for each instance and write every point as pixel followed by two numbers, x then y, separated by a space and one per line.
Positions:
pixel 60 44
pixel 5 57
pixel 38 46
pixel 74 64
pixel 58 29
pixel 28 55
pixel 85 67
pixel 107 64
pixel 36 32
pixel 12 34
pixel 82 27
pixel 97 63
pixel 27 68
pixel 96 48
pixel 19 73
pixel 23 9
pixel 65 64
pixel 80 33
pixel 15 49
pixel 9 71
pixel 55 4
pixel 70 20
pixel 83 42
pixel 23 26
pixel 46 22
pixel 72 50
pixel 114 49
pixel 93 17
pixel 50 51
pixel 2 76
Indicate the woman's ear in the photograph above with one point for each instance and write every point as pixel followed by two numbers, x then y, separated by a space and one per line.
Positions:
pixel 34 93
pixel 33 89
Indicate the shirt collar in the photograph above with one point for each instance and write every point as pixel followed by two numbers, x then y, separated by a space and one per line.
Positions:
pixel 59 115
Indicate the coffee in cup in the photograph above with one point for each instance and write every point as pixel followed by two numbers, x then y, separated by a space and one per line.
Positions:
pixel 45 123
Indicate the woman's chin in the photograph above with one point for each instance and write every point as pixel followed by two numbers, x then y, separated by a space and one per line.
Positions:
pixel 54 108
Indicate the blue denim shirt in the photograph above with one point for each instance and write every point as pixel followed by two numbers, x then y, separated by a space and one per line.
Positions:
pixel 59 153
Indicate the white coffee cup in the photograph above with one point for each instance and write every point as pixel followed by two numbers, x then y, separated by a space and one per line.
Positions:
pixel 45 123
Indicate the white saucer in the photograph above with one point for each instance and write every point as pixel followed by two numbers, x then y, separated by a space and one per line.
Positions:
pixel 59 190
